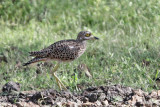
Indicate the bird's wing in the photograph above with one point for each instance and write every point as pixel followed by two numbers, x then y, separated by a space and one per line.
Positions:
pixel 60 46
pixel 66 45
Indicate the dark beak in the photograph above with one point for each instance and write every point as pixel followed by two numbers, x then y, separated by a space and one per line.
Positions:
pixel 96 38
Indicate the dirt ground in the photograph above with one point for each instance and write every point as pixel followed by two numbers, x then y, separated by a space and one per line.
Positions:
pixel 115 95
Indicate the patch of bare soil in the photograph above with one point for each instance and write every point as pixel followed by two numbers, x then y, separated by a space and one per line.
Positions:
pixel 115 95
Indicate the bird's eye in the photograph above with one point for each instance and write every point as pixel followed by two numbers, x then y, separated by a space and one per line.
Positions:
pixel 87 35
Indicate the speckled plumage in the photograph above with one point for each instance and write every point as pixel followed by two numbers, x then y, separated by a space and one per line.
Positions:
pixel 62 51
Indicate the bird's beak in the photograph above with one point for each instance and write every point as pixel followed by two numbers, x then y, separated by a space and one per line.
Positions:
pixel 96 38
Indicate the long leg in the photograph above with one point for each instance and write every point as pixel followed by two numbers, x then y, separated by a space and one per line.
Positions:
pixel 57 79
pixel 59 85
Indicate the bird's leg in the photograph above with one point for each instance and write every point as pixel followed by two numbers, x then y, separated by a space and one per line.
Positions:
pixel 57 79
pixel 59 82
pixel 59 85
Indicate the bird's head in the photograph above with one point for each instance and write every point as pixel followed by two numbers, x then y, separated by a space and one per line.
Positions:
pixel 85 35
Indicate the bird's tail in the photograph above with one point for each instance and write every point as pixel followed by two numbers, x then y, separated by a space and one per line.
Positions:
pixel 34 60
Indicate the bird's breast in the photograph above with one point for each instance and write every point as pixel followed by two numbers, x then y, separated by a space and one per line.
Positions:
pixel 81 50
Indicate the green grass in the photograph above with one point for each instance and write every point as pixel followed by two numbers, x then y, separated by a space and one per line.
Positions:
pixel 128 31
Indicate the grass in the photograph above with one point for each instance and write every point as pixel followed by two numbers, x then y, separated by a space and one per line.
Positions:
pixel 127 52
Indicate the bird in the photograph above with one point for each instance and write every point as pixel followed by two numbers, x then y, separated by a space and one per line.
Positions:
pixel 62 51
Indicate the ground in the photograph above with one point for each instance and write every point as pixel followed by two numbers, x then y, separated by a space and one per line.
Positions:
pixel 115 95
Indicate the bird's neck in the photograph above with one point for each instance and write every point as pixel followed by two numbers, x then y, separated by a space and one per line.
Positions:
pixel 82 41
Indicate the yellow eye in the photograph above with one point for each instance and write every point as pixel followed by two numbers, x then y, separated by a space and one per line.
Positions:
pixel 87 34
